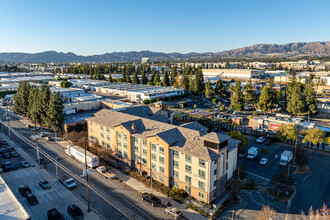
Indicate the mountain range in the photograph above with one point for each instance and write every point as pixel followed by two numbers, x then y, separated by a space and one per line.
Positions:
pixel 315 49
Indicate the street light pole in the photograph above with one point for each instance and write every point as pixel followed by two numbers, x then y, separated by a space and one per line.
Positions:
pixel 8 118
pixel 56 168
pixel 36 140
pixel 87 186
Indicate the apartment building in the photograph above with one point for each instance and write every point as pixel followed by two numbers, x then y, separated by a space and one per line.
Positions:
pixel 173 155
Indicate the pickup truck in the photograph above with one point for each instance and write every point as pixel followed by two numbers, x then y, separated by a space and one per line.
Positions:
pixel 68 182
pixel 103 170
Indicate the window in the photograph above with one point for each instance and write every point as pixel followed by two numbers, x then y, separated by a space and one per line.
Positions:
pixel 161 150
pixel 125 154
pixel 125 145
pixel 153 166
pixel 161 179
pixel 188 158
pixel 176 184
pixel 91 130
pixel 153 157
pixel 125 137
pixel 102 135
pixel 101 128
pixel 108 145
pixel 153 147
pixel 176 174
pixel 108 130
pixel 144 160
pixel 136 141
pixel 200 195
pixel 176 164
pixel 215 172
pixel 118 134
pixel 144 151
pixel 188 179
pixel 161 160
pixel 144 142
pixel 215 162
pixel 119 143
pixel 176 154
pixel 201 163
pixel 136 148
pixel 215 183
pixel 201 185
pixel 188 169
pixel 154 176
pixel 119 153
pixel 91 123
pixel 102 143
pixel 108 137
pixel 188 189
pixel 201 174
pixel 162 170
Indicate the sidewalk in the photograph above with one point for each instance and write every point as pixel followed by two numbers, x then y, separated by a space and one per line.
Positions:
pixel 138 186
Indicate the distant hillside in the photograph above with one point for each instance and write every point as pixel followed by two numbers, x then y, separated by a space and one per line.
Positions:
pixel 317 49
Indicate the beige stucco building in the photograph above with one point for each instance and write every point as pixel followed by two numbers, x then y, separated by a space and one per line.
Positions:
pixel 173 155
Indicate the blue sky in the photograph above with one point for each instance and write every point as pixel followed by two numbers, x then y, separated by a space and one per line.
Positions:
pixel 98 26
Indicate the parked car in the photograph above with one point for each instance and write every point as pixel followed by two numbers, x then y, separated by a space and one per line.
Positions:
pixel 24 190
pixel 174 212
pixel 3 150
pixel 49 138
pixel 28 126
pixel 268 142
pixel 260 140
pixel 10 149
pixel 75 212
pixel 263 161
pixel 54 214
pixel 6 155
pixel 25 164
pixel 7 166
pixel 42 134
pixel 81 110
pixel 4 142
pixel 44 184
pixel 151 199
pixel 14 154
pixel 32 199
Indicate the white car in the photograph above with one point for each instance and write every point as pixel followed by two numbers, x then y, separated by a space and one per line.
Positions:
pixel 174 212
pixel 263 161
pixel 260 140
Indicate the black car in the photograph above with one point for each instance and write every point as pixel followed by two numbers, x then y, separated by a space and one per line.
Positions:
pixel 14 154
pixel 4 142
pixel 6 155
pixel 75 212
pixel 54 214
pixel 151 199
pixel 32 199
pixel 268 142
pixel 24 190
pixel 3 150
pixel 11 149
pixel 44 184
pixel 7 166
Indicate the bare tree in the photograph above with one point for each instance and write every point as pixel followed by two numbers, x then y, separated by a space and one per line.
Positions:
pixel 319 214
pixel 266 213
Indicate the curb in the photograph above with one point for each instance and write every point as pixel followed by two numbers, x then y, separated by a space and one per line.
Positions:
pixel 214 217
pixel 292 195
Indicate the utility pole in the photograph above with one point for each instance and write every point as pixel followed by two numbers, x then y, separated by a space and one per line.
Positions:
pixel 233 215
pixel 8 118
pixel 56 168
pixel 36 139
pixel 87 186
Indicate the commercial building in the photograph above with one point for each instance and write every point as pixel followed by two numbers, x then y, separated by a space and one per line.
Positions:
pixel 173 155
pixel 138 93
pixel 243 74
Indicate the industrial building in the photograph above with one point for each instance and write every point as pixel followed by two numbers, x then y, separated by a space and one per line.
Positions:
pixel 138 93
pixel 173 155
pixel 243 74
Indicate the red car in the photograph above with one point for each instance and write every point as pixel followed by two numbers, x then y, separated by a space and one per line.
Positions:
pixel 81 110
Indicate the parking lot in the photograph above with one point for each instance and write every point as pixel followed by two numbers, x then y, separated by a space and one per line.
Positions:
pixel 57 197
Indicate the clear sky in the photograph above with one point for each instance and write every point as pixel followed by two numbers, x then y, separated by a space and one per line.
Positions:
pixel 98 26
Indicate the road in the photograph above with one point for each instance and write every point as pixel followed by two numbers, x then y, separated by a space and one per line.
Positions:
pixel 106 196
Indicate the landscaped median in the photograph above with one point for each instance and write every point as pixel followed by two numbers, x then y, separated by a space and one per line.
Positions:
pixel 281 196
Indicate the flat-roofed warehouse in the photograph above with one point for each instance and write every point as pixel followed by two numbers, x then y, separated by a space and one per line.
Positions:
pixel 233 73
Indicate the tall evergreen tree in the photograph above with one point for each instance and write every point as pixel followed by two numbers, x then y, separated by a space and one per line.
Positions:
pixel 173 74
pixel 123 73
pixel 185 79
pixel 128 78
pixel 310 96
pixel 135 79
pixel 295 103
pixel 55 115
pixel 249 97
pixel 220 88
pixel 153 75
pixel 21 102
pixel 110 78
pixel 34 104
pixel 199 81
pixel 43 100
pixel 157 79
pixel 144 78
pixel 265 102
pixel 166 79
pixel 236 99
pixel 191 83
pixel 208 90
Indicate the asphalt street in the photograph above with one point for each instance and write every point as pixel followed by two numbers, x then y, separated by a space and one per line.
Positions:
pixel 104 194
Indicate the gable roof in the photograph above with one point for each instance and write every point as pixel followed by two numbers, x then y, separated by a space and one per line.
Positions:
pixel 195 126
